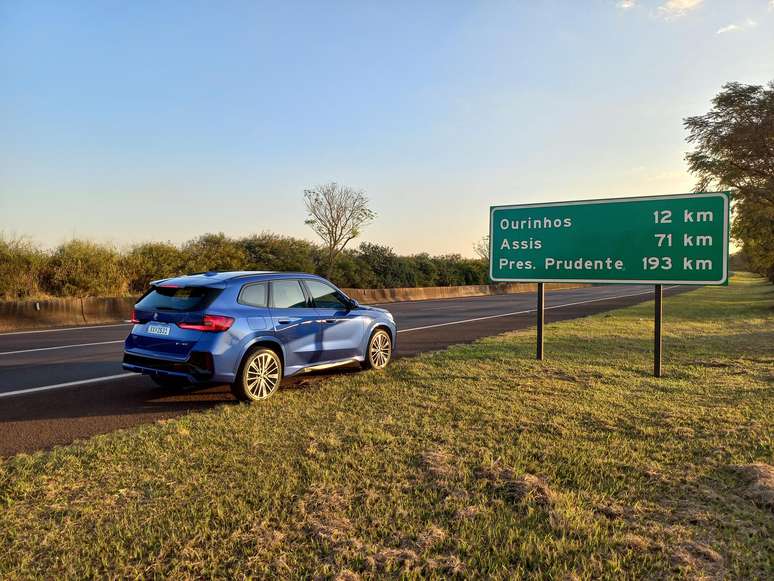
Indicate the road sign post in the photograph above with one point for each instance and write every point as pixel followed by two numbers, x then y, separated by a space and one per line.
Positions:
pixel 657 343
pixel 541 297
pixel 676 240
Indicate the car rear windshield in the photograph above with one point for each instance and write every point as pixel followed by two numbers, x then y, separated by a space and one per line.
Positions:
pixel 183 299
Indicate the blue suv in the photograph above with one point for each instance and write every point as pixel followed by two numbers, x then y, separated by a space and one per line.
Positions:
pixel 251 329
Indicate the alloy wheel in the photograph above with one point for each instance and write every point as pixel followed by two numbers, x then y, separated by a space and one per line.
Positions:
pixel 263 375
pixel 380 350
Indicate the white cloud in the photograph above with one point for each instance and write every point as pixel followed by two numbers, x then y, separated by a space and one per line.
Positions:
pixel 729 28
pixel 626 4
pixel 749 23
pixel 672 9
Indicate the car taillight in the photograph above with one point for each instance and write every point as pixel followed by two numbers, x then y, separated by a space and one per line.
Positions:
pixel 209 323
pixel 134 318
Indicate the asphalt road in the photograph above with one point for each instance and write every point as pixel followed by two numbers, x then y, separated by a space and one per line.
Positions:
pixel 60 385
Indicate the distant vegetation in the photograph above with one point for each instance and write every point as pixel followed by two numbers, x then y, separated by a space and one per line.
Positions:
pixel 80 268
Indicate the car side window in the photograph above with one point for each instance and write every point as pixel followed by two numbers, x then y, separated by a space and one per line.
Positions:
pixel 254 295
pixel 325 296
pixel 287 294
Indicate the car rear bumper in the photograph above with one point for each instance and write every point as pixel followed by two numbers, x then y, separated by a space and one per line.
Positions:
pixel 198 367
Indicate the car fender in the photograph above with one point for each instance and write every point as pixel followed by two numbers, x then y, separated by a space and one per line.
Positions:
pixel 373 324
pixel 261 338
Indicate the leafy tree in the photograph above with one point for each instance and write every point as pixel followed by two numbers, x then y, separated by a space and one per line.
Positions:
pixel 214 252
pixel 384 263
pixel 337 214
pixel 734 148
pixel 268 251
pixel 426 270
pixel 152 260
pixel 20 266
pixel 80 268
pixel 455 270
pixel 350 271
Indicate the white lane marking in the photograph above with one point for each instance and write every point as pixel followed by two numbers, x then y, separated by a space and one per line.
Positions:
pixel 85 327
pixel 527 311
pixel 67 384
pixel 59 347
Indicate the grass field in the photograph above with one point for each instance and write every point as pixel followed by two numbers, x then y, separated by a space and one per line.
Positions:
pixel 474 461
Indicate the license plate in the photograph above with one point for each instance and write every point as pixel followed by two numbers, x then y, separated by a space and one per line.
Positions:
pixel 158 329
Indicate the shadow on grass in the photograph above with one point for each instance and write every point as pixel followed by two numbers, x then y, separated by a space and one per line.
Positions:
pixel 133 396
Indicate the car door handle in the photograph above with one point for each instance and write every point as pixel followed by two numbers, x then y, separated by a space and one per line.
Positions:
pixel 284 321
pixel 328 321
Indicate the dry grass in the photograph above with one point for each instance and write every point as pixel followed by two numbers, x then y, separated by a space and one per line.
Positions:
pixel 759 483
pixel 473 462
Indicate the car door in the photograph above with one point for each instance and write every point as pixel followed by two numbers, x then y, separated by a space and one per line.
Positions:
pixel 342 327
pixel 296 323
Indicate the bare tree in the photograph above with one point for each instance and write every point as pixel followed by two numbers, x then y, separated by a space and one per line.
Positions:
pixel 481 248
pixel 337 214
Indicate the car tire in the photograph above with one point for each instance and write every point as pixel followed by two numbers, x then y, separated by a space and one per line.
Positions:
pixel 169 382
pixel 379 350
pixel 259 376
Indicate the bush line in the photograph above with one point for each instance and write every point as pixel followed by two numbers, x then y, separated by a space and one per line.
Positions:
pixel 81 268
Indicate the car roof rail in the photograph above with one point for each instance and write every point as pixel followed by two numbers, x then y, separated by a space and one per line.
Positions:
pixel 251 274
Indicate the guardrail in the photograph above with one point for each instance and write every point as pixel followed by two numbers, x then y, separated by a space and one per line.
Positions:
pixel 23 315
pixel 20 315
pixel 391 295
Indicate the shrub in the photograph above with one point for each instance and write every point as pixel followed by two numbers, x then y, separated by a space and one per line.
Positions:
pixel 455 270
pixel 349 271
pixel 388 270
pixel 149 261
pixel 80 268
pixel 214 252
pixel 425 268
pixel 20 265
pixel 268 251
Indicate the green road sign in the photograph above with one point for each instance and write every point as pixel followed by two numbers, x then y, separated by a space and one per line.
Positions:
pixel 680 239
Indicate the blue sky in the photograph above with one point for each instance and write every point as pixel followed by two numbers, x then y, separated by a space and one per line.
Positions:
pixel 131 121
